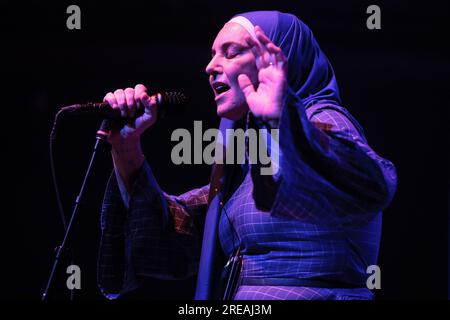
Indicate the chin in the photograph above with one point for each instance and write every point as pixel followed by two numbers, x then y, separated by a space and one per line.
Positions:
pixel 223 111
pixel 231 112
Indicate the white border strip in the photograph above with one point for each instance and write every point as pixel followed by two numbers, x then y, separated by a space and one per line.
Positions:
pixel 246 24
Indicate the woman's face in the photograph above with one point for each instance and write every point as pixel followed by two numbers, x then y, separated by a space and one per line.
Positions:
pixel 231 56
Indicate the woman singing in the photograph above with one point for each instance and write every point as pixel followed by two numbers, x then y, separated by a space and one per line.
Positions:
pixel 308 231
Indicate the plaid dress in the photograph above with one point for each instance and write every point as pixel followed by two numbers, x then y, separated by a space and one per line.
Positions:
pixel 318 219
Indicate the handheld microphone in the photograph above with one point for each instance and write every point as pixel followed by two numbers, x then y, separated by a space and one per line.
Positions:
pixel 164 102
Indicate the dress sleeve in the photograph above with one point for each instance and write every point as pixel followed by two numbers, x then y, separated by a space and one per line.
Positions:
pixel 328 170
pixel 147 234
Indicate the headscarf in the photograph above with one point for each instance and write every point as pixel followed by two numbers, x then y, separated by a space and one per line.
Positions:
pixel 310 74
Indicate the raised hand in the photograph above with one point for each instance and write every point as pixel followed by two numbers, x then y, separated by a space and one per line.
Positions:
pixel 130 101
pixel 267 100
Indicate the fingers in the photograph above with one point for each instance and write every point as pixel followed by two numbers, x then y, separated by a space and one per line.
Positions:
pixel 254 45
pixel 131 104
pixel 121 101
pixel 273 49
pixel 129 101
pixel 281 61
pixel 266 52
pixel 245 84
pixel 138 90
pixel 110 98
pixel 141 96
pixel 261 36
pixel 147 103
pixel 135 105
pixel 261 55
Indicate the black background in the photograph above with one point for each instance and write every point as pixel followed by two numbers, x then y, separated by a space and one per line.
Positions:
pixel 393 80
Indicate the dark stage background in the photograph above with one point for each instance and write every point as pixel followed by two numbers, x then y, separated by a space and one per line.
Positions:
pixel 393 80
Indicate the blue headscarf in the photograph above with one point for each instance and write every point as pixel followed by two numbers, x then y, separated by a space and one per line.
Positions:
pixel 310 74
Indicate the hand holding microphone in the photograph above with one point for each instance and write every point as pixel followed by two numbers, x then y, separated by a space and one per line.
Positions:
pixel 132 107
pixel 134 111
pixel 131 103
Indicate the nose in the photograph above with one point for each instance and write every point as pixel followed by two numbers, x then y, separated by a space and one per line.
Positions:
pixel 214 67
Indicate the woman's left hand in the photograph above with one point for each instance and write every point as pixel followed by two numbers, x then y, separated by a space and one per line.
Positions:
pixel 267 100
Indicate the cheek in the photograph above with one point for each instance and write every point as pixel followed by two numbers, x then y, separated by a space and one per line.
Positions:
pixel 251 71
pixel 245 66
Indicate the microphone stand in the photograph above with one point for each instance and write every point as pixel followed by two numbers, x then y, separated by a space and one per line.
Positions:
pixel 101 138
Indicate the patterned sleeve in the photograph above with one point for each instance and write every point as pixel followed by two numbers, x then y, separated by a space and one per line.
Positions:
pixel 153 235
pixel 329 172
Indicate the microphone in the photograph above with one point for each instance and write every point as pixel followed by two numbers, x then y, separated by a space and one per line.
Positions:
pixel 164 101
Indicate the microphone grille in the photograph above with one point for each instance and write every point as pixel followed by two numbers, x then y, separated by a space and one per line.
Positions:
pixel 173 98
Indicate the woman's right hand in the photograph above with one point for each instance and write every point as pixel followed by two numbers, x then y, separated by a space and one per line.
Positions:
pixel 131 102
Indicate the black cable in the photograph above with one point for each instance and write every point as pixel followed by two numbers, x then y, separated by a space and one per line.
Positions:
pixel 62 214
pixel 53 171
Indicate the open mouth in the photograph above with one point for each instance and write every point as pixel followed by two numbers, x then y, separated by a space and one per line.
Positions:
pixel 220 87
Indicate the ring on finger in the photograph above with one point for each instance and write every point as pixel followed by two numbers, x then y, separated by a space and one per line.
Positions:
pixel 272 60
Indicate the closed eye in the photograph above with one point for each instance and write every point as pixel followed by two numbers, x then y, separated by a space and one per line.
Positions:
pixel 233 51
pixel 230 50
pixel 231 55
